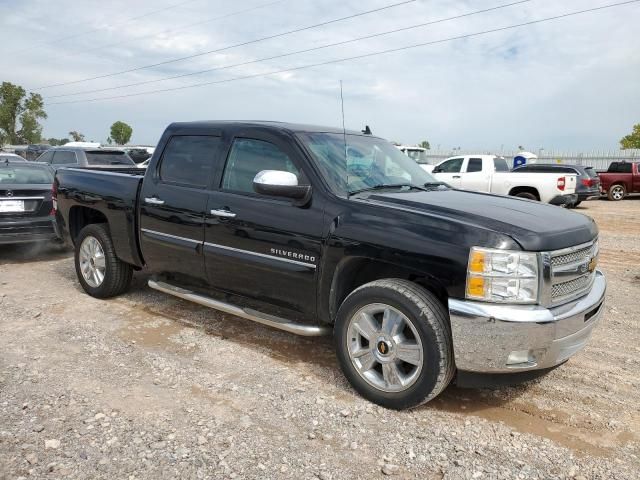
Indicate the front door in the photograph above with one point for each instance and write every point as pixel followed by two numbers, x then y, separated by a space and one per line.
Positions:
pixel 172 212
pixel 259 247
pixel 449 171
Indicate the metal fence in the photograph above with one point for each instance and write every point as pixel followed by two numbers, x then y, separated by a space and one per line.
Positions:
pixel 598 159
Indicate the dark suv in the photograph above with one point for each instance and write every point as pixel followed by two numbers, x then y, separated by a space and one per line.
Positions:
pixel 588 186
pixel 85 157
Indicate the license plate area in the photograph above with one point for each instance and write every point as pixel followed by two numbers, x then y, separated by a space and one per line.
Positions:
pixel 11 206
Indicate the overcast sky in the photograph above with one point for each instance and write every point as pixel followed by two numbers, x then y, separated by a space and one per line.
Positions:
pixel 571 83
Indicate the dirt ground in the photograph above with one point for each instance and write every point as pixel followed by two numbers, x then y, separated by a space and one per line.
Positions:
pixel 149 386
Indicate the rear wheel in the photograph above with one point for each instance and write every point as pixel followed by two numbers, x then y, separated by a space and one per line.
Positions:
pixel 394 343
pixel 577 203
pixel 100 272
pixel 527 195
pixel 617 192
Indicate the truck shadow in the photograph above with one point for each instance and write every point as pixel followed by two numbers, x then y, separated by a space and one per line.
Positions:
pixel 31 252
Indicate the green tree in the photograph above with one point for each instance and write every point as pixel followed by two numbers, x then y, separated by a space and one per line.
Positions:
pixel 121 132
pixel 57 141
pixel 632 140
pixel 20 115
pixel 424 144
pixel 76 136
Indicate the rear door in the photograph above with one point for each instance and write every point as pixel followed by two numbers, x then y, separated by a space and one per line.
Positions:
pixel 475 175
pixel 172 207
pixel 261 247
pixel 636 177
pixel 449 171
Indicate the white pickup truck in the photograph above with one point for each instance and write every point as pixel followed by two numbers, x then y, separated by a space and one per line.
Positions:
pixel 488 173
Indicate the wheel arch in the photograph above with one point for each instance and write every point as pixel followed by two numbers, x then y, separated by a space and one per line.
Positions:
pixel 525 189
pixel 81 216
pixel 354 272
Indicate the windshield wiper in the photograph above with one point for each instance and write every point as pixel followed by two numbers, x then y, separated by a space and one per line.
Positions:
pixel 387 185
pixel 435 184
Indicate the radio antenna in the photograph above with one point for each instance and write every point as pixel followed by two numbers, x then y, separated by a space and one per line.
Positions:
pixel 344 130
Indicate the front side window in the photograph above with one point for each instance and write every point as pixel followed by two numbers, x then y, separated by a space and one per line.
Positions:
pixel 64 158
pixel 475 165
pixel 247 158
pixel 189 160
pixel 350 163
pixel 451 166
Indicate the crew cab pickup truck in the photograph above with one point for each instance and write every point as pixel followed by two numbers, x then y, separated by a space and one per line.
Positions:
pixel 314 231
pixel 488 173
pixel 620 179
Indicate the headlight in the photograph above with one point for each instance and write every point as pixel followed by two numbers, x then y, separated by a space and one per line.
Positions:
pixel 502 276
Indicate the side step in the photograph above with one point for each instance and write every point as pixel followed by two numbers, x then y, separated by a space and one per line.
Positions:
pixel 263 318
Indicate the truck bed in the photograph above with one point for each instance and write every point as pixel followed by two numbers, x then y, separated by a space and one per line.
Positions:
pixel 113 192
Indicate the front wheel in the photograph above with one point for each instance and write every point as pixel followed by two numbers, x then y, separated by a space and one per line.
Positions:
pixel 393 343
pixel 100 272
pixel 616 192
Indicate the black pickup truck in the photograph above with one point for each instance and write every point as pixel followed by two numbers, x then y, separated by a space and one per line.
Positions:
pixel 315 230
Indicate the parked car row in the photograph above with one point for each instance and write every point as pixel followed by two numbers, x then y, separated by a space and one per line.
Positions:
pixel 490 173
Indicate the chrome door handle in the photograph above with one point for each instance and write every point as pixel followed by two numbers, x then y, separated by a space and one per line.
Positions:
pixel 223 213
pixel 153 201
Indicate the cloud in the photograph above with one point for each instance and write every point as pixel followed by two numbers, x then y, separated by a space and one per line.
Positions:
pixel 570 83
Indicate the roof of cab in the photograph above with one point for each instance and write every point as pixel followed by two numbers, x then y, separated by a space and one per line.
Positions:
pixel 267 124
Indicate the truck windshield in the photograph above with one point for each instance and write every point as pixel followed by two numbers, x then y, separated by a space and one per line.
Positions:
pixel 99 157
pixel 419 156
pixel 364 163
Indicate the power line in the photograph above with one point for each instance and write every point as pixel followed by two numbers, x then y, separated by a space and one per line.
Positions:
pixel 288 54
pixel 249 42
pixel 181 28
pixel 357 57
pixel 86 32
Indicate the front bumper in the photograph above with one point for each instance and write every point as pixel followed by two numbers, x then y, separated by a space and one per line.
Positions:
pixel 495 338
pixel 564 199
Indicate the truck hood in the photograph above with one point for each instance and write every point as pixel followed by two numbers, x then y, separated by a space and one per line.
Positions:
pixel 534 225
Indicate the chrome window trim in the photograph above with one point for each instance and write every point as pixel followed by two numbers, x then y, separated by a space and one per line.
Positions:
pixel 263 255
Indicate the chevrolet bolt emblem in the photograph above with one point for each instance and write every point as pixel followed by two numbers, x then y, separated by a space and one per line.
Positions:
pixel 383 348
pixel 593 264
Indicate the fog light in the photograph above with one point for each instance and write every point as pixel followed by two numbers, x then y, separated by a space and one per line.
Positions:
pixel 520 356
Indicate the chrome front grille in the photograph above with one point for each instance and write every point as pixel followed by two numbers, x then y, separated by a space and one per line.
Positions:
pixel 584 254
pixel 572 272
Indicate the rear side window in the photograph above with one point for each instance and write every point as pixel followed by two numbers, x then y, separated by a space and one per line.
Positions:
pixel 474 165
pixel 451 166
pixel 98 157
pixel 46 157
pixel 248 157
pixel 189 160
pixel 64 158
pixel 500 164
pixel 620 167
pixel 591 172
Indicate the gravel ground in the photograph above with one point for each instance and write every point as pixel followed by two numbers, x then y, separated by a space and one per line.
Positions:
pixel 149 386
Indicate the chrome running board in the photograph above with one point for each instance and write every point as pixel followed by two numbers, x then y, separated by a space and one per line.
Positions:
pixel 263 318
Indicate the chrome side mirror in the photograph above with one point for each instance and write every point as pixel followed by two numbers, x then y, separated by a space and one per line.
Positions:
pixel 277 183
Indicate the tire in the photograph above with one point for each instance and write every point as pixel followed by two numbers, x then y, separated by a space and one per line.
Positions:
pixel 527 195
pixel 94 252
pixel 424 335
pixel 616 192
pixel 576 204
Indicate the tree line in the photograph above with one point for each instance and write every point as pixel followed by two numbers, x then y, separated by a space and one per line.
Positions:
pixel 21 114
